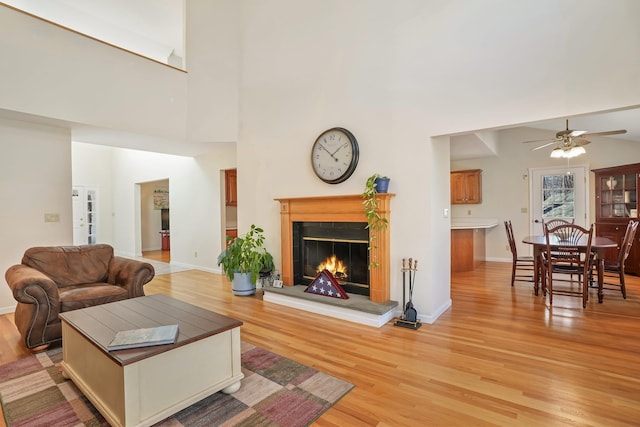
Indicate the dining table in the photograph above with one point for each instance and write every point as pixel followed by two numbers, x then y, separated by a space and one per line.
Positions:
pixel 598 245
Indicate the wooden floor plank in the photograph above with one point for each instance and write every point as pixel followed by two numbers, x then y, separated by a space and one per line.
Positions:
pixel 498 356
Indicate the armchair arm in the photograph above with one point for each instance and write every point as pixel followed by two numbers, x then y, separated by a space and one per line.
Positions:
pixel 130 274
pixel 30 286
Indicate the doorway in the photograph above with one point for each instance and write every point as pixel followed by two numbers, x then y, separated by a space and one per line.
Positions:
pixel 229 212
pixel 558 193
pixel 85 214
pixel 155 220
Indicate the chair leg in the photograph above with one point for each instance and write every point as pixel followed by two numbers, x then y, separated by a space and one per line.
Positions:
pixel 513 273
pixel 622 286
pixel 548 288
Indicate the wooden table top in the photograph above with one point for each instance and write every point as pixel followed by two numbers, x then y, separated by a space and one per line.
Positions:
pixel 99 324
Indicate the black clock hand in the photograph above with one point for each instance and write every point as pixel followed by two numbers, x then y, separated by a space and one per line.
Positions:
pixel 339 148
pixel 323 147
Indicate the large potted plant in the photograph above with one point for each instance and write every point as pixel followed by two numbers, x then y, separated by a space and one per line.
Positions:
pixel 375 221
pixel 243 260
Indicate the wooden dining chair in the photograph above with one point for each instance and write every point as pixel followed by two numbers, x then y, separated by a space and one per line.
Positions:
pixel 522 266
pixel 556 222
pixel 567 261
pixel 614 270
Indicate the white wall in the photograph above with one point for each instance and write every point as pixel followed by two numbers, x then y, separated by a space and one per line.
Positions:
pixel 196 202
pixel 81 72
pixel 35 178
pixel 126 92
pixel 213 40
pixel 398 73
pixel 92 166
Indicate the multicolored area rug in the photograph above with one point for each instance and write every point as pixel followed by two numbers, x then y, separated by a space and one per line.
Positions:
pixel 275 392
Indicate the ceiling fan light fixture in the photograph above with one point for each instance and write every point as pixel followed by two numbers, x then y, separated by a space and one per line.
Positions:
pixel 576 151
pixel 557 153
pixel 567 152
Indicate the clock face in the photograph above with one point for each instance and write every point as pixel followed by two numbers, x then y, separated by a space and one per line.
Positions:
pixel 334 155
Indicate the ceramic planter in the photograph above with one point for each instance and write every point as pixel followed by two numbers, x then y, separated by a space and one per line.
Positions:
pixel 382 185
pixel 241 284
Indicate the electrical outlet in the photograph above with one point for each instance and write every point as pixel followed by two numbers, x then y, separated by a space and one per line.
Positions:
pixel 195 254
pixel 469 212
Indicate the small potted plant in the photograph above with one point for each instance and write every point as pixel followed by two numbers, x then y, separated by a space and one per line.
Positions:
pixel 243 260
pixel 375 222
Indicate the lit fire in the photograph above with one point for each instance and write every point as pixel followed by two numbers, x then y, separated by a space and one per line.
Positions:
pixel 334 266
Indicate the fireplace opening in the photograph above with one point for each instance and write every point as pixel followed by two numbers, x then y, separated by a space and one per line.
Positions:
pixel 340 247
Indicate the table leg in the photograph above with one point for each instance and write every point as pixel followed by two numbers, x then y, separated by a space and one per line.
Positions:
pixel 536 268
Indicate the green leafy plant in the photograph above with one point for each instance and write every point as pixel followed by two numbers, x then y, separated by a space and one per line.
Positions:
pixel 246 254
pixel 375 222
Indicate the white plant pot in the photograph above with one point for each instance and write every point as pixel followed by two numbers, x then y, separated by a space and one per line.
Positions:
pixel 242 285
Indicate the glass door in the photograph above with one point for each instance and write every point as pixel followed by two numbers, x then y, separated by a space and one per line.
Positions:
pixel 618 196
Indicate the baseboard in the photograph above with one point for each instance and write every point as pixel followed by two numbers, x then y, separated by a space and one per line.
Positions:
pixel 431 318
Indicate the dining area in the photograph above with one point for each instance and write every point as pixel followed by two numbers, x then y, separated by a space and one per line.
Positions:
pixel 570 260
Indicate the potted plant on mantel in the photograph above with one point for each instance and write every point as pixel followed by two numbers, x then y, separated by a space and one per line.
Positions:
pixel 243 260
pixel 376 183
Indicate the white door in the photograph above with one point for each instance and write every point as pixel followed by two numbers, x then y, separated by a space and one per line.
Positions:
pixel 85 224
pixel 558 193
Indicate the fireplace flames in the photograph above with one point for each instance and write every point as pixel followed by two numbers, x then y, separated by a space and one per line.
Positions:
pixel 334 266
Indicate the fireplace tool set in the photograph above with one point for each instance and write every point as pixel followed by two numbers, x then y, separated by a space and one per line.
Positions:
pixel 409 318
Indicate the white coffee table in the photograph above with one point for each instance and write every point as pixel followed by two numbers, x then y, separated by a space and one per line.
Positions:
pixel 139 387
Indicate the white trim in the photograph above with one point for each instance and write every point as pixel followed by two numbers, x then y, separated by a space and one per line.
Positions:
pixel 437 313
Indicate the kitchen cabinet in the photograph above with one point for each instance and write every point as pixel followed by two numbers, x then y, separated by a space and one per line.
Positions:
pixel 231 184
pixel 467 249
pixel 231 233
pixel 466 187
pixel 616 204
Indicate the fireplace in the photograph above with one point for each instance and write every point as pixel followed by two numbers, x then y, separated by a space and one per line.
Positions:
pixel 348 212
pixel 339 247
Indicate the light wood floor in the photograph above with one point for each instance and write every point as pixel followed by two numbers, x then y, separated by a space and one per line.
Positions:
pixel 498 356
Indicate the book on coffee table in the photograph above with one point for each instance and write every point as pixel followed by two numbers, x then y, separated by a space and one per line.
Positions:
pixel 144 337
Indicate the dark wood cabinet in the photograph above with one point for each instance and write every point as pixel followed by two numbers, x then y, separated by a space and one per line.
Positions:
pixel 616 204
pixel 466 187
pixel 231 183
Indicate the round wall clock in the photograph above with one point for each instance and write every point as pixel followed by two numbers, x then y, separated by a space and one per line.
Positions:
pixel 334 155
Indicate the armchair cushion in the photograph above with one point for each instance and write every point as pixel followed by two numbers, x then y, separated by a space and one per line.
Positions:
pixel 55 279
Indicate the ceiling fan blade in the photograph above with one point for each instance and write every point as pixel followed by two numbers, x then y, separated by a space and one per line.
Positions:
pixel 611 132
pixel 575 133
pixel 542 146
pixel 549 140
pixel 580 141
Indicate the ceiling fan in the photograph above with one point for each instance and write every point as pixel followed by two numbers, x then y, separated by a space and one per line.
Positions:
pixel 569 143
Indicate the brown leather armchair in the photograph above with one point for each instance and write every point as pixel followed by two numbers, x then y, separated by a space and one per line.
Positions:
pixel 54 279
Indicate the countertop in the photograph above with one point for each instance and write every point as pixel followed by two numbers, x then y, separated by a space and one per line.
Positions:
pixel 467 223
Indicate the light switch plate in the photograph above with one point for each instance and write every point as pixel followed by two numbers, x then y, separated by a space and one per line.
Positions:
pixel 51 217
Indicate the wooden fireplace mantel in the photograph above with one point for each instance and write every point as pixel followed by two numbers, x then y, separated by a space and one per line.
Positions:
pixel 345 208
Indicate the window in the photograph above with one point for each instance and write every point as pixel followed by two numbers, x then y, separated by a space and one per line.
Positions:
pixel 558 196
